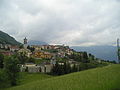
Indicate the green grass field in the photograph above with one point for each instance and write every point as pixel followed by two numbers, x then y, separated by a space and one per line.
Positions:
pixel 103 78
pixel 31 77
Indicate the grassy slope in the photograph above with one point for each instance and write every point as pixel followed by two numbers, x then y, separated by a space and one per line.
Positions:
pixel 31 77
pixel 105 78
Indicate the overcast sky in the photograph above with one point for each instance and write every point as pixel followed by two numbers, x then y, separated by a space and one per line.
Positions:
pixel 70 22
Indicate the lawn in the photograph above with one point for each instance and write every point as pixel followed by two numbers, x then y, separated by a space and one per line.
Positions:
pixel 103 78
pixel 31 77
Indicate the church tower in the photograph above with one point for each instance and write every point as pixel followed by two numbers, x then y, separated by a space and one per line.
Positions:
pixel 25 40
pixel 25 43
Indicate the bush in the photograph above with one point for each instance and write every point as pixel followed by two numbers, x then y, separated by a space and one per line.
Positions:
pixel 4 82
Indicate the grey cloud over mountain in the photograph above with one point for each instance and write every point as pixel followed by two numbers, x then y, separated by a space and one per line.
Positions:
pixel 71 22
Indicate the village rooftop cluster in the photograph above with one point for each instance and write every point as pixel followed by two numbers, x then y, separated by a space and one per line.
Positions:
pixel 48 52
pixel 50 58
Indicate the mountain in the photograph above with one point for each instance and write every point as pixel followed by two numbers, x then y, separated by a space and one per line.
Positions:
pixel 7 39
pixel 34 42
pixel 103 52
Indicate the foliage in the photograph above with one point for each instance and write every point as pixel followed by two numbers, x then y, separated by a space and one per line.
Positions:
pixel 1 60
pixel 30 60
pixel 39 61
pixel 80 57
pixel 61 68
pixel 91 57
pixel 6 39
pixel 21 46
pixel 22 58
pixel 30 48
pixel 4 82
pixel 85 57
pixel 11 68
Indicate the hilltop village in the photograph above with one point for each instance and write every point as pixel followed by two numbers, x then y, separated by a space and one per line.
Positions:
pixel 50 58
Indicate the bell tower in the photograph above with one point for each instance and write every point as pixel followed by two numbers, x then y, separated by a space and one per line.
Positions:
pixel 25 43
pixel 25 40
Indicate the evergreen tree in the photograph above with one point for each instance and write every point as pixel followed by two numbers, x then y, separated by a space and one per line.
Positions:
pixel 1 60
pixel 85 57
pixel 74 68
pixel 55 69
pixel 11 68
pixel 67 68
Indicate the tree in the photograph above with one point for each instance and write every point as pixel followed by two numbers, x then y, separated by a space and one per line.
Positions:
pixel 21 46
pixel 30 48
pixel 30 60
pixel 22 58
pixel 82 66
pixel 74 68
pixel 4 82
pixel 67 68
pixel 1 60
pixel 11 68
pixel 85 57
pixel 55 69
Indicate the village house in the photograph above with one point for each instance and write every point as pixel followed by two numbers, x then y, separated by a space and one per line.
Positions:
pixel 6 53
pixel 40 54
pixel 33 68
pixel 30 67
pixel 26 52
pixel 37 47
pixel 1 46
pixel 14 48
pixel 5 46
pixel 46 68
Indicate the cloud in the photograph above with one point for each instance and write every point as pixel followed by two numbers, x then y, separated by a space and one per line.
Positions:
pixel 78 22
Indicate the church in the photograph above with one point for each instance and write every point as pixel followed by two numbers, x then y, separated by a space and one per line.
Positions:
pixel 24 50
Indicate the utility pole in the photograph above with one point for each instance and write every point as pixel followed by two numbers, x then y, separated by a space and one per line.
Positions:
pixel 118 50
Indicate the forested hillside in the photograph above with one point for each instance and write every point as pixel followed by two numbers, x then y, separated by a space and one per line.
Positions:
pixel 7 39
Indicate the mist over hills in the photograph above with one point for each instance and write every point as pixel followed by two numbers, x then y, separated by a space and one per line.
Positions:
pixel 103 52
pixel 35 42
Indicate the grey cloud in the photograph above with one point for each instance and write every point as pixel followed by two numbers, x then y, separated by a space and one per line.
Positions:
pixel 79 22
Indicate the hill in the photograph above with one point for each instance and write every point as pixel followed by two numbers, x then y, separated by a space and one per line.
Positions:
pixel 103 52
pixel 104 78
pixel 7 39
pixel 31 77
pixel 34 42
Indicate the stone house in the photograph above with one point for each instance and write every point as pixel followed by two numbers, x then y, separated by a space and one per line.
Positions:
pixel 33 68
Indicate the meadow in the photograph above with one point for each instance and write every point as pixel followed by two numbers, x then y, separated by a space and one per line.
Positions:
pixel 102 78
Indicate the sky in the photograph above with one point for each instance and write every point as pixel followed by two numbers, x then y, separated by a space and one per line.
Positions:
pixel 69 22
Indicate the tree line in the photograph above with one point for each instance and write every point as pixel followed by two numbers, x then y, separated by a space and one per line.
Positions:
pixel 82 61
